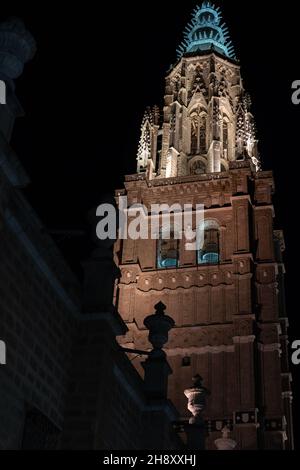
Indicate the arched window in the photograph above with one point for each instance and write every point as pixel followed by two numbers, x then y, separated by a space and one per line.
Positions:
pixel 198 133
pixel 225 137
pixel 198 168
pixel 203 135
pixel 159 150
pixel 194 135
pixel 173 128
pixel 167 249
pixel 208 242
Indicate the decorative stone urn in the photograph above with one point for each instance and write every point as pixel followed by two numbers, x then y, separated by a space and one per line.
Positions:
pixel 159 324
pixel 156 366
pixel 196 396
pixel 225 443
pixel 195 430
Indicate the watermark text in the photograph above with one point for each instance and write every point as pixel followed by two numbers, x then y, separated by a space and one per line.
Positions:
pixel 160 221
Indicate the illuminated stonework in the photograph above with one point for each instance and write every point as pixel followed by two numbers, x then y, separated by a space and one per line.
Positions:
pixel 206 122
pixel 206 32
pixel 226 299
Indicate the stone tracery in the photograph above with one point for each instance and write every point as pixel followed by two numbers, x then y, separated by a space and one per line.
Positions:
pixel 207 81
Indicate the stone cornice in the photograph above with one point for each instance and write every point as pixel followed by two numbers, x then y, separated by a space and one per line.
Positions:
pixel 244 339
pixel 200 350
pixel 185 278
pixel 201 56
pixel 269 347
pixel 241 198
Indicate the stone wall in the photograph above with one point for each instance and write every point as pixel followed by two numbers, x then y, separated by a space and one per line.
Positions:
pixel 37 322
pixel 107 405
pixel 228 320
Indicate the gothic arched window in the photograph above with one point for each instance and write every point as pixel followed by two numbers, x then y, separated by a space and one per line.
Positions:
pixel 194 135
pixel 167 249
pixel 173 128
pixel 202 137
pixel 225 137
pixel 208 242
pixel 198 168
pixel 198 133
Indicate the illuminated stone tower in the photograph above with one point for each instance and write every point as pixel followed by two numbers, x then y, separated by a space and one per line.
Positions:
pixel 227 299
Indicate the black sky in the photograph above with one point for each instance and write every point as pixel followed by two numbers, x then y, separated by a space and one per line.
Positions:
pixel 97 69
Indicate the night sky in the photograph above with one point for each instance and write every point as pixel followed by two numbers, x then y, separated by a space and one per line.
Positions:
pixel 95 72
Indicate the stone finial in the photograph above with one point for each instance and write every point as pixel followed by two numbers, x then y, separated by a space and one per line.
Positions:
pixel 156 366
pixel 225 443
pixel 195 430
pixel 17 46
pixel 225 432
pixel 159 324
pixel 196 396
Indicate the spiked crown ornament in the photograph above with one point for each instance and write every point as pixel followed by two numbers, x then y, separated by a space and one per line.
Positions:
pixel 206 32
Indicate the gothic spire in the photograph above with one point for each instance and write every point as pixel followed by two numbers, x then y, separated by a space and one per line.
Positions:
pixel 144 149
pixel 206 32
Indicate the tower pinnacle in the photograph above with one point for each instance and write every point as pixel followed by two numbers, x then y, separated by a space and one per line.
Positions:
pixel 206 32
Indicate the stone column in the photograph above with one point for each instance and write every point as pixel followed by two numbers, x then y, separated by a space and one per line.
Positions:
pixel 195 430
pixel 156 365
pixel 225 443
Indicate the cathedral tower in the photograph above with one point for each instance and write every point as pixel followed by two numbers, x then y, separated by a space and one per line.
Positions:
pixel 227 298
